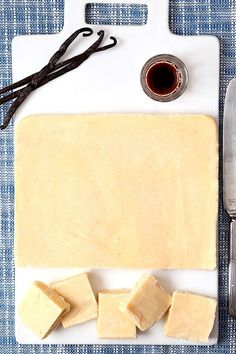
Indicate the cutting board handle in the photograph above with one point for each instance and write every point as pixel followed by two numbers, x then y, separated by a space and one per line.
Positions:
pixel 157 21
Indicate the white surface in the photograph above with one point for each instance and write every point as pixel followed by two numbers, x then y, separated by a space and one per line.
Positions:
pixel 110 82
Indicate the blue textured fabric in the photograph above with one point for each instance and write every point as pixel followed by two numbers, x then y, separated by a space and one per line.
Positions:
pixel 46 16
pixel 125 14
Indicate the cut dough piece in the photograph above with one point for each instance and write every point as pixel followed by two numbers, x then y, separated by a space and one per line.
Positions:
pixel 116 191
pixel 147 303
pixel 191 316
pixel 78 292
pixel 42 309
pixel 112 323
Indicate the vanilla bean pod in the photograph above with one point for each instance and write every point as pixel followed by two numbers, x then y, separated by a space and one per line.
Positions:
pixel 51 71
pixel 39 76
pixel 56 56
pixel 66 65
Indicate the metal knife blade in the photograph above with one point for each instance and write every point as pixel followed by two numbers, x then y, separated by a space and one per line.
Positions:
pixel 229 183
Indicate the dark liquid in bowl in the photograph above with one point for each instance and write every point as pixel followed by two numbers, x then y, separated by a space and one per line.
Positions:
pixel 162 78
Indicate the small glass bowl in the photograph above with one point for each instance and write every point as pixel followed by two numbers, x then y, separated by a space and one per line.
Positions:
pixel 164 77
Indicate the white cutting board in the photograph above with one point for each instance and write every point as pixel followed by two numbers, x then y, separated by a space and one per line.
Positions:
pixel 110 82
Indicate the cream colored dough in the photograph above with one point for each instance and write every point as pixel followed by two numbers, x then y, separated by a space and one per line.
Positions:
pixel 112 323
pixel 116 191
pixel 191 316
pixel 78 293
pixel 42 309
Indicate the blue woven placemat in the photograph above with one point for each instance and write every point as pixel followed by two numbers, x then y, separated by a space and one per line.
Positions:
pixel 46 16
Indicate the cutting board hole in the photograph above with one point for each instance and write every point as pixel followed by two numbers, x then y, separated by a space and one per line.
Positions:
pixel 116 14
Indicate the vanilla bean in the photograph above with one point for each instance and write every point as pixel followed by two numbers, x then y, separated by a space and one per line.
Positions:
pixel 27 79
pixel 79 59
pixel 39 76
pixel 55 58
pixel 76 60
pixel 51 71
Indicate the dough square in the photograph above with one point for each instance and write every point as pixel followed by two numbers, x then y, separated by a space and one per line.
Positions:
pixel 111 322
pixel 42 309
pixel 78 292
pixel 146 303
pixel 116 190
pixel 191 317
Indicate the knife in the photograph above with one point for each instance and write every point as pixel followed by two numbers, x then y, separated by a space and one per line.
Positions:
pixel 229 184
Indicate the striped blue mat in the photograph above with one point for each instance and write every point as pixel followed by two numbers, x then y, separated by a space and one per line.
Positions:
pixel 46 16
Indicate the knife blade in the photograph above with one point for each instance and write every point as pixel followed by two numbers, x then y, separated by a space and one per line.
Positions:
pixel 229 183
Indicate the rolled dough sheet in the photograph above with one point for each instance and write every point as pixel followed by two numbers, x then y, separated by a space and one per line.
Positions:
pixel 116 191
